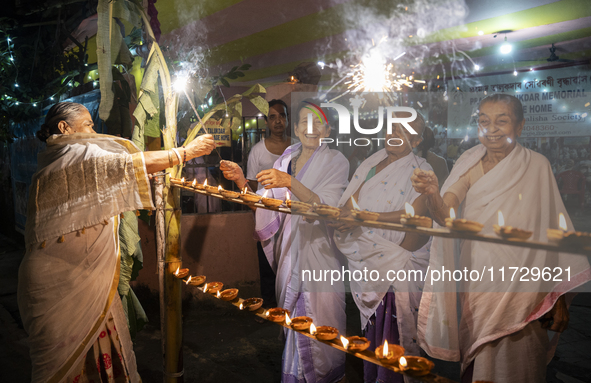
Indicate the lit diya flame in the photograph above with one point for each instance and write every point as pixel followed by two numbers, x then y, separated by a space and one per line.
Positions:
pixel 205 288
pixel 177 271
pixel 345 342
pixel 452 213
pixel 183 180
pixel 409 209
pixel 205 183
pixel 402 362
pixel 312 329
pixel 241 306
pixel 267 313
pixel 501 219
pixel 194 183
pixel 218 294
pixel 287 320
pixel 355 206
pixel 562 222
pixel 188 280
pixel 245 190
pixel 385 349
pixel 265 193
pixel 287 196
pixel 220 189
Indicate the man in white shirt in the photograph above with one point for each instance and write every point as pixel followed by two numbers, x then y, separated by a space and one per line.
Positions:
pixel 263 155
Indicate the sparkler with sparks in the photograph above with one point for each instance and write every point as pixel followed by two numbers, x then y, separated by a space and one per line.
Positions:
pixel 180 85
pixel 374 74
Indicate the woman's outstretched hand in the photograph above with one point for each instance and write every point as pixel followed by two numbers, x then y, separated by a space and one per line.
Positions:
pixel 273 178
pixel 200 146
pixel 425 182
pixel 233 172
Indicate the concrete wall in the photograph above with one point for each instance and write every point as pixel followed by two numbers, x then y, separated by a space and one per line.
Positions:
pixel 219 246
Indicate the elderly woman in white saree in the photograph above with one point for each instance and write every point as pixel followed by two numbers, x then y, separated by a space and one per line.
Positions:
pixel 501 332
pixel 67 292
pixel 312 173
pixel 388 309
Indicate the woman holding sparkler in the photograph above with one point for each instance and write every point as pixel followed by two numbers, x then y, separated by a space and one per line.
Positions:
pixel 67 285
pixel 501 333
pixel 313 173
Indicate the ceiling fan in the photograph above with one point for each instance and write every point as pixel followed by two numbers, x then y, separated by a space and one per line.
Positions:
pixel 553 56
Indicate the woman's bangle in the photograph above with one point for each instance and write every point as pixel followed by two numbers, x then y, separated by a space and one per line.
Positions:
pixel 178 156
pixel 311 197
pixel 184 155
pixel 170 164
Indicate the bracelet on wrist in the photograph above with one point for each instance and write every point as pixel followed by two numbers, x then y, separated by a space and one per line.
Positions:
pixel 178 156
pixel 170 164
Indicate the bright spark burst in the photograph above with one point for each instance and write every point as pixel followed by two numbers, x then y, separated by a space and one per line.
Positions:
pixel 373 74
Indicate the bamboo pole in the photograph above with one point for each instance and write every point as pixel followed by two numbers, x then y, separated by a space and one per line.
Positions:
pixel 170 214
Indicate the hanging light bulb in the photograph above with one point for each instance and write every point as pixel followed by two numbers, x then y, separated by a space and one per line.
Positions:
pixel 506 47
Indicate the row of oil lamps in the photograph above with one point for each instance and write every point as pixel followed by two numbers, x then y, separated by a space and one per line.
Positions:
pixel 559 236
pixel 391 355
pixel 244 195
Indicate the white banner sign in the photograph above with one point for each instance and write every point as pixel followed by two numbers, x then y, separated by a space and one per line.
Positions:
pixel 555 102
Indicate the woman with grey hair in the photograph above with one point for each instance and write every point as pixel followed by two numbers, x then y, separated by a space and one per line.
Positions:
pixel 67 285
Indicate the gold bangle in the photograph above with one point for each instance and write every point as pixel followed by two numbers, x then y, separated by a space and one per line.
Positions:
pixel 170 164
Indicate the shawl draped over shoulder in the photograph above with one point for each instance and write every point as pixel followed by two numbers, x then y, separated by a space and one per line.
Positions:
pixel 67 288
pixel 455 320
pixel 291 245
pixel 377 249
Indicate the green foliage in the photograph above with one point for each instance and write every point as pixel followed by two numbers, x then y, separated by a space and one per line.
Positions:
pixel 30 60
pixel 233 74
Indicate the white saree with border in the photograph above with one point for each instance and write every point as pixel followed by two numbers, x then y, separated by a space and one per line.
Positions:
pixel 291 245
pixel 378 249
pixel 523 187
pixel 69 275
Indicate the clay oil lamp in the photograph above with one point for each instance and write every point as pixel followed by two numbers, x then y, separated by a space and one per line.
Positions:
pixel 277 314
pixel 462 224
pixel 199 186
pixel 389 353
pixel 251 304
pixel 176 181
pixel 213 287
pixel 230 194
pixel 209 189
pixel 247 196
pixel 362 215
pixel 567 238
pixel 327 210
pixel 326 333
pixel 196 281
pixel 410 219
pixel 227 295
pixel 181 273
pixel 415 365
pixel 510 232
pixel 299 207
pixel 270 202
pixel 300 323
pixel 355 343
